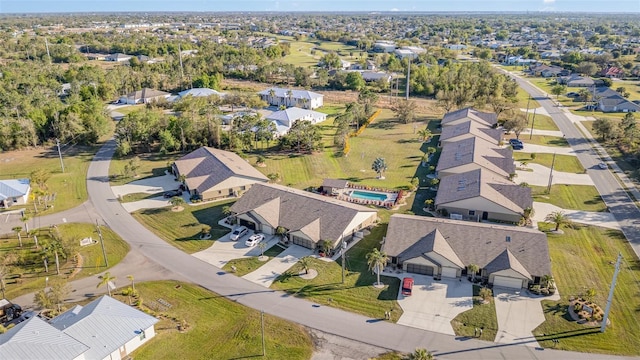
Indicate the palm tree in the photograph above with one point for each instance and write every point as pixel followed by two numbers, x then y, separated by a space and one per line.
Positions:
pixel 379 166
pixel 305 262
pixel 272 95
pixel 24 219
pixel 106 278
pixel 424 135
pixel 182 178
pixel 282 232
pixel 377 260
pixel 485 294
pixel 590 294
pixel 176 201
pixel 527 214
pixel 420 354
pixel 18 230
pixel 262 246
pixel 473 269
pixel 289 96
pixel 559 218
pixel 133 285
pixel 547 280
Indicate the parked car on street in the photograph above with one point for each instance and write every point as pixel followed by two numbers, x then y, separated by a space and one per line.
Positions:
pixel 238 233
pixel 172 193
pixel 603 165
pixel 254 240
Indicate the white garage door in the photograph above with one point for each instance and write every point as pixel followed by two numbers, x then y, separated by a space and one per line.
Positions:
pixel 267 229
pixel 507 282
pixel 449 272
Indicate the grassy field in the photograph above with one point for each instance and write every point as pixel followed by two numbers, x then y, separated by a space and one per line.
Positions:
pixel 246 265
pixel 137 197
pixel 357 293
pixel 32 273
pixel 402 153
pixel 543 140
pixel 70 187
pixel 564 163
pixel 154 164
pixel 542 122
pixel 301 51
pixel 582 258
pixel 182 229
pixel 217 328
pixel 573 197
pixel 480 316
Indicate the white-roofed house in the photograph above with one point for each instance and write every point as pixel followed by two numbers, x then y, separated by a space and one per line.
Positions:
pixel 284 119
pixel 288 97
pixel 144 96
pixel 14 192
pixel 200 92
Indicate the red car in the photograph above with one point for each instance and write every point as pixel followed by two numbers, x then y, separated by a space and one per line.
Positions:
pixel 407 286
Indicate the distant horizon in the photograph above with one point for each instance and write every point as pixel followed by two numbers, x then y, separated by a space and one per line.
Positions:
pixel 327 6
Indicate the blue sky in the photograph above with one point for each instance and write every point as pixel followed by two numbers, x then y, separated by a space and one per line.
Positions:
pixel 35 6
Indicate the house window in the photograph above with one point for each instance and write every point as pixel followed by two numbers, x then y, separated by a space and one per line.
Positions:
pixel 243 188
pixel 472 212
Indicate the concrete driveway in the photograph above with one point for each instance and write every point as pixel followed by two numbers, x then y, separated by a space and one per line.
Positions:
pixel 267 273
pixel 518 314
pixel 604 219
pixel 433 304
pixel 540 176
pixel 224 249
pixel 150 185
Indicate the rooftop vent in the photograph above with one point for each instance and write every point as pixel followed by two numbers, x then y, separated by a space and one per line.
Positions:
pixel 508 238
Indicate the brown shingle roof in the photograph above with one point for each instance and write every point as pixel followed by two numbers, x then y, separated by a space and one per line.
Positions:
pixel 488 119
pixel 473 243
pixel 301 210
pixel 207 167
pixel 474 128
pixel 477 151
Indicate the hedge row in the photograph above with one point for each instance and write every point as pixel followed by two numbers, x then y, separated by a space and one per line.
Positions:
pixel 347 146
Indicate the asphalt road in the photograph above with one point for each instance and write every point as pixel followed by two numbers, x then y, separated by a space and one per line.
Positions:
pixel 330 320
pixel 615 197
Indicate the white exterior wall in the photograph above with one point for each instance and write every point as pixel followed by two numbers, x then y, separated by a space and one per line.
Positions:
pixel 480 204
pixel 133 344
pixel 508 273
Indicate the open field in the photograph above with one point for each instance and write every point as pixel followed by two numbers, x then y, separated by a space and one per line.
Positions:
pixel 154 164
pixel 582 258
pixel 564 163
pixel 217 327
pixel 572 197
pixel 480 316
pixel 70 187
pixel 357 293
pixel 31 275
pixel 182 229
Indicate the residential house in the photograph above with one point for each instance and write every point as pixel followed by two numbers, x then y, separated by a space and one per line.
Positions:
pixel 103 329
pixel 611 101
pixel 333 186
pixel 144 96
pixel 118 57
pixel 575 80
pixel 470 129
pixel 200 92
pixel 284 119
pixel 212 174
pixel 547 71
pixel 462 115
pixel 405 54
pixel 481 195
pixel 14 192
pixel 612 72
pixel 475 153
pixel 309 219
pixel 371 76
pixel 384 46
pixel 287 97
pixel 511 257
pixel 456 46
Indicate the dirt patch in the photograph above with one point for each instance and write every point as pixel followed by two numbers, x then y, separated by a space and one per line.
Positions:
pixel 331 347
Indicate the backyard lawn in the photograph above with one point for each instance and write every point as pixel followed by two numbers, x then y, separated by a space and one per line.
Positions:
pixel 480 316
pixel 564 163
pixel 357 293
pixel 182 229
pixel 31 275
pixel 218 328
pixel 583 258
pixel 572 197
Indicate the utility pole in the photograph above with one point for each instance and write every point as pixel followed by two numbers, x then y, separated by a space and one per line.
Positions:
pixel 527 114
pixel 603 327
pixel 104 252
pixel 343 247
pixel 46 44
pixel 408 78
pixel 533 121
pixel 553 161
pixel 264 349
pixel 181 68
pixel 60 155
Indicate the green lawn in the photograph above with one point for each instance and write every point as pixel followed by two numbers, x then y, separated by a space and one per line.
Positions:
pixel 563 163
pixel 572 197
pixel 246 265
pixel 480 316
pixel 32 272
pixel 524 100
pixel 357 293
pixel 612 150
pixel 218 328
pixel 137 197
pixel 69 187
pixel 182 229
pixel 542 122
pixel 154 164
pixel 582 259
pixel 543 140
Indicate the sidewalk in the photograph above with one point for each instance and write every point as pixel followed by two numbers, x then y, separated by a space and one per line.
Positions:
pixel 602 219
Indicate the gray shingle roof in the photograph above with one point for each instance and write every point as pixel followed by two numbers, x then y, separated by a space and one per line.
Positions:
pixel 477 151
pixel 474 128
pixel 104 325
pixel 506 260
pixel 473 243
pixel 298 209
pixel 481 183
pixel 489 119
pixel 35 339
pixel 207 167
pixel 335 183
